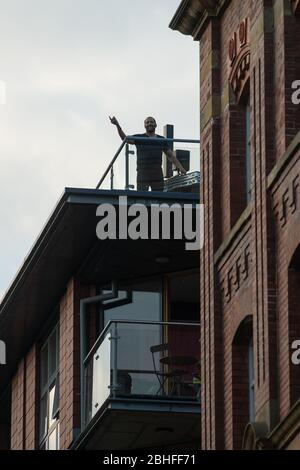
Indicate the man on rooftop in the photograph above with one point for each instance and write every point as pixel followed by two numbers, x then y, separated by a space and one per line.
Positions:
pixel 149 156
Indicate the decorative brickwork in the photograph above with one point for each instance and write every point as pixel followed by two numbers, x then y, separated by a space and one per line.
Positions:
pixel 239 59
pixel 248 260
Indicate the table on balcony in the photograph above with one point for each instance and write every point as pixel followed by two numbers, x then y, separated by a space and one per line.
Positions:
pixel 179 360
pixel 178 374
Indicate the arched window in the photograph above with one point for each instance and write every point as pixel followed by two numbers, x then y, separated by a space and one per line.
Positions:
pixel 243 384
pixel 240 155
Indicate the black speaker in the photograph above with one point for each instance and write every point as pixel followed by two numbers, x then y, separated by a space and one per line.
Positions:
pixel 184 157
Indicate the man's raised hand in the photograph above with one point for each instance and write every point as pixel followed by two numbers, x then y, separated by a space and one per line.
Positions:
pixel 114 120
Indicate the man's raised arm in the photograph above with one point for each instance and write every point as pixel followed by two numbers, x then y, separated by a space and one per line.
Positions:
pixel 115 122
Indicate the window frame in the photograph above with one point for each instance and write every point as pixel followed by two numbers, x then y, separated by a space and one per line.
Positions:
pixel 251 381
pixel 49 419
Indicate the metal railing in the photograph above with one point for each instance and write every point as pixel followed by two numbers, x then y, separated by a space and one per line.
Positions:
pixel 127 143
pixel 142 360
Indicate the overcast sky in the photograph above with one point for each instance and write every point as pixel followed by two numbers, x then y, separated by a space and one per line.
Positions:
pixel 67 65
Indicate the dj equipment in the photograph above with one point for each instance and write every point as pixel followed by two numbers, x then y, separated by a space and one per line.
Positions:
pixel 189 183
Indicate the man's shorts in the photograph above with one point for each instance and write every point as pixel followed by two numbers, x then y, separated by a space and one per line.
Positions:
pixel 150 178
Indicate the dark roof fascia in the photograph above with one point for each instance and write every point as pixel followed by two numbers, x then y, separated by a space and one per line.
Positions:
pixel 87 196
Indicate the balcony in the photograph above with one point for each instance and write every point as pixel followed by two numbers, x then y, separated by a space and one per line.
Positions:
pixel 141 386
pixel 121 171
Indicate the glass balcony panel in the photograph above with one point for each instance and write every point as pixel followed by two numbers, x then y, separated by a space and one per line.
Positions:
pixel 122 174
pixel 134 357
pixel 101 375
pixel 97 377
pixel 162 360
pixel 143 360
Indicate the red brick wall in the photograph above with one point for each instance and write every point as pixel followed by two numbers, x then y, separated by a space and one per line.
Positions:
pixel 236 273
pixel 211 349
pixel 31 403
pixel 69 372
pixel 23 404
pixel 17 409
pixel 25 395
pixel 285 193
pixel 273 123
pixel 69 326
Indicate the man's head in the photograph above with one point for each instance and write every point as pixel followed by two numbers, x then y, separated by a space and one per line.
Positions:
pixel 150 124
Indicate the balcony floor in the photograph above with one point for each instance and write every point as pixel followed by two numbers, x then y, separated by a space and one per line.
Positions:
pixel 143 424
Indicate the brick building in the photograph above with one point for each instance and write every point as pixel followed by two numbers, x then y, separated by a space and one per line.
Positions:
pixel 250 184
pixel 102 335
pixel 87 322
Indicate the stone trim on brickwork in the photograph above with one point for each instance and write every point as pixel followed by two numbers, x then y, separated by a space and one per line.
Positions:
pixel 287 429
pixel 255 437
pixel 239 60
pixel 192 15
pixel 282 164
pixel 236 230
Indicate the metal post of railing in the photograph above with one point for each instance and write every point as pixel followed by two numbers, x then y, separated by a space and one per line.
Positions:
pixel 168 166
pixel 128 152
pixel 112 178
pixel 114 338
pixel 111 164
pixel 135 140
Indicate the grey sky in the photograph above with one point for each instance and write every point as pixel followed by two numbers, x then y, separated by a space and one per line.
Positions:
pixel 67 65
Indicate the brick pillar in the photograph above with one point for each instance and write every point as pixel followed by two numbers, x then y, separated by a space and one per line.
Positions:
pixel 24 404
pixel 264 285
pixel 17 409
pixel 211 329
pixel 69 392
pixel 32 401
pixel 69 359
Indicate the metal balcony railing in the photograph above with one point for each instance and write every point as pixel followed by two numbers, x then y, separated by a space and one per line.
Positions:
pixel 122 168
pixel 142 360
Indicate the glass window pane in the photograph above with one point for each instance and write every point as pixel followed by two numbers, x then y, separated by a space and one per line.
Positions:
pixel 251 381
pixel 51 403
pixel 55 409
pixel 145 304
pixel 52 440
pixel 43 416
pixel 44 367
pixel 57 437
pixel 183 297
pixel 43 446
pixel 53 353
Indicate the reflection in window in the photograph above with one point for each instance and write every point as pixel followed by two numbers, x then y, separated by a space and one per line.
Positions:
pixel 183 297
pixel 137 301
pixel 143 304
pixel 49 389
